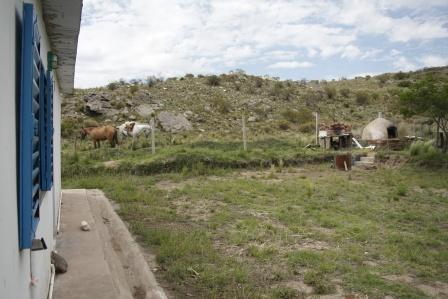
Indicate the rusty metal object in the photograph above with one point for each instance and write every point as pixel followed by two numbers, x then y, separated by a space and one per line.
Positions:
pixel 343 161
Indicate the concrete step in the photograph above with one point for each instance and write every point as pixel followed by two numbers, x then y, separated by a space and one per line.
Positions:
pixel 362 163
pixel 368 159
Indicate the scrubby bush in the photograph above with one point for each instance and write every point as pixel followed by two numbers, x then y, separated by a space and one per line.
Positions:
pixel 345 92
pixel 135 81
pixel 79 106
pixel 426 154
pixel 133 89
pixel 258 82
pixel 421 148
pixel 375 95
pixel 283 125
pixel 303 115
pixel 401 76
pixel 281 92
pixel 221 105
pixel 90 123
pixel 312 98
pixel 237 86
pixel 362 97
pixel 383 78
pixel 189 76
pixel 68 127
pixel 331 91
pixel 150 81
pixel 307 128
pixel 404 83
pixel 291 115
pixel 112 85
pixel 213 80
pixel 118 104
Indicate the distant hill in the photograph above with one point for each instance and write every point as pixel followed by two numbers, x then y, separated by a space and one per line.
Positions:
pixel 214 104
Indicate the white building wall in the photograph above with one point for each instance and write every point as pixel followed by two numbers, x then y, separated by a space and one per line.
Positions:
pixel 18 267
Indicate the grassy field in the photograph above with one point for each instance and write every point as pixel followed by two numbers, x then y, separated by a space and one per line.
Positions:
pixel 241 229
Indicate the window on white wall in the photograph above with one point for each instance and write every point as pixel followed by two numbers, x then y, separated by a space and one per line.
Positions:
pixel 35 129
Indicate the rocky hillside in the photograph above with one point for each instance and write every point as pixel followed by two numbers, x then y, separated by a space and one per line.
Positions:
pixel 214 104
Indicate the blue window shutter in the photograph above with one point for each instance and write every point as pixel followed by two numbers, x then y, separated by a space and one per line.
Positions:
pixel 29 129
pixel 42 130
pixel 46 132
pixel 50 129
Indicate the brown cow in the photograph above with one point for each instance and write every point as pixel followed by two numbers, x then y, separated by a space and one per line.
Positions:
pixel 100 133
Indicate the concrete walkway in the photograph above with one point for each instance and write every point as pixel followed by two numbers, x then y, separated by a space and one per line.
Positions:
pixel 104 262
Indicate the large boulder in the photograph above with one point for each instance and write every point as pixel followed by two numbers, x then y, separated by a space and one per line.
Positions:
pixel 172 122
pixel 97 103
pixel 144 110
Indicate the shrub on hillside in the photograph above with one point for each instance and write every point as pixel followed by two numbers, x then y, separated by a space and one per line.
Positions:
pixel 303 115
pixel 425 154
pixel 150 81
pixel 213 80
pixel 362 97
pixel 331 91
pixel 401 76
pixel 135 81
pixel 221 105
pixel 281 92
pixel 68 127
pixel 90 123
pixel 345 92
pixel 307 128
pixel 133 88
pixel 405 83
pixel 189 76
pixel 258 82
pixel 420 147
pixel 313 98
pixel 112 85
pixel 283 125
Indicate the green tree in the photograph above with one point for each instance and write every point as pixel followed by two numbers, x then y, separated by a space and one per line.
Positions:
pixel 427 98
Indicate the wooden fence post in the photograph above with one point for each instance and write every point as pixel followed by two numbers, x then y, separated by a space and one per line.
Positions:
pixel 153 142
pixel 243 121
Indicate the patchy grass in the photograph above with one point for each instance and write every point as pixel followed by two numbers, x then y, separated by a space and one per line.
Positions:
pixel 196 158
pixel 246 234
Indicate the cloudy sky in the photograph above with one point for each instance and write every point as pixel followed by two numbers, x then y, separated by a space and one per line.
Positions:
pixel 290 39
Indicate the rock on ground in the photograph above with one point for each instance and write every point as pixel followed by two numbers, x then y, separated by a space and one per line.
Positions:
pixel 97 103
pixel 172 122
pixel 144 110
pixel 60 264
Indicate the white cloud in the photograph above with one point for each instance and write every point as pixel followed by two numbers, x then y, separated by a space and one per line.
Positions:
pixel 433 60
pixel 374 17
pixel 401 63
pixel 290 65
pixel 351 52
pixel 137 38
pixel 373 53
pixel 363 74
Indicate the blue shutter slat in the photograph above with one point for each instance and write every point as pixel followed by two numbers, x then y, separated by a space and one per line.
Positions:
pixel 35 142
pixel 35 89
pixel 35 173
pixel 35 156
pixel 35 71
pixel 36 55
pixel 35 190
pixel 35 106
